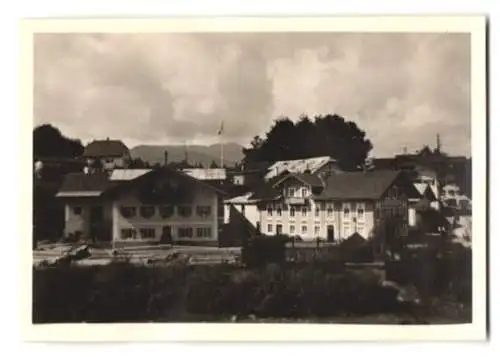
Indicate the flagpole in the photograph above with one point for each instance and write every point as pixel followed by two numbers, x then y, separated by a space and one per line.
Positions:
pixel 221 151
pixel 221 132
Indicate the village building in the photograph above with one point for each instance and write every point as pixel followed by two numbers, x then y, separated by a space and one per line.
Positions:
pixel 107 154
pixel 141 205
pixel 328 207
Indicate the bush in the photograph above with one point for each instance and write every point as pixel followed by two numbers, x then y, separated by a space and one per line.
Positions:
pixel 293 291
pixel 119 292
pixel 262 250
pixel 434 272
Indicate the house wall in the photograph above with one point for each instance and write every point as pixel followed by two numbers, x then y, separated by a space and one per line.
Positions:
pixel 117 162
pixel 318 216
pixel 202 197
pixel 248 210
pixel 74 222
pixel 80 222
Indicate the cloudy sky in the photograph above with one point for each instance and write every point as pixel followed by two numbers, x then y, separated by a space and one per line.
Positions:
pixel 402 89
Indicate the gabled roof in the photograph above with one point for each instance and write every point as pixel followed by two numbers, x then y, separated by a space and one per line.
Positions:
pixel 84 185
pixel 206 174
pixel 127 174
pixel 106 148
pixel 242 199
pixel 268 190
pixel 369 185
pixel 307 178
pixel 97 184
pixel 158 172
pixel 312 164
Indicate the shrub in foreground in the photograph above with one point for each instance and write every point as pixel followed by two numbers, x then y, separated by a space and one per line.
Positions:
pixel 119 292
pixel 278 291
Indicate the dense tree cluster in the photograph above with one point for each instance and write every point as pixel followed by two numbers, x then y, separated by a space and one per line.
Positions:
pixel 326 135
pixel 48 142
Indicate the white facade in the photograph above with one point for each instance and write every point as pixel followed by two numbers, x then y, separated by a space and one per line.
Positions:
pixel 328 220
pixel 194 220
pixel 245 206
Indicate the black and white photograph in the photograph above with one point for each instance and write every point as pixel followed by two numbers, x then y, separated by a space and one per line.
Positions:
pixel 259 177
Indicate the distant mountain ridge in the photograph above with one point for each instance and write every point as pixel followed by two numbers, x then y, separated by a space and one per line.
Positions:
pixel 233 153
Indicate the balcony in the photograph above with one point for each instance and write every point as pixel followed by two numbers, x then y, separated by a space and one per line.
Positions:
pixel 295 200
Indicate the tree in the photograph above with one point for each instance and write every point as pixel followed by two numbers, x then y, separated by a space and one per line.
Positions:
pixel 328 135
pixel 49 142
pixel 213 165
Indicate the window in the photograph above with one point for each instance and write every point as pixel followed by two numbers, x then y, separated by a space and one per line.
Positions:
pixel 147 211
pixel 292 212
pixel 128 233
pixel 291 191
pixel 269 211
pixel 292 229
pixel 316 212
pixel 304 211
pixel 204 211
pixel 346 212
pixel 147 233
pixel 269 228
pixel 128 212
pixel 316 230
pixel 361 213
pixel 329 211
pixel 278 211
pixel 279 229
pixel 184 211
pixel 204 232
pixel 304 191
pixel 304 229
pixel 166 211
pixel 77 210
pixel 185 232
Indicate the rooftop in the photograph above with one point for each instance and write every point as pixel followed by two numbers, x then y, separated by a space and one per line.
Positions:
pixel 206 174
pixel 358 185
pixel 298 166
pixel 106 148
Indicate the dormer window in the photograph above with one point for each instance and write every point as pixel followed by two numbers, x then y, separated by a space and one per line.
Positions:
pixel 304 191
pixel 291 191
pixel 269 211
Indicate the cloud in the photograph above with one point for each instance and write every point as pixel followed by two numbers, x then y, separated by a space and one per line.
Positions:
pixel 402 89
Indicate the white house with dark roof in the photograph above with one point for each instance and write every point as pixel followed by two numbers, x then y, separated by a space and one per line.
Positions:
pixel 332 207
pixel 108 153
pixel 141 206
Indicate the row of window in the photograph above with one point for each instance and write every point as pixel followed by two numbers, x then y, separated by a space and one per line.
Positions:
pixel 303 229
pixel 360 211
pixel 165 211
pixel 150 233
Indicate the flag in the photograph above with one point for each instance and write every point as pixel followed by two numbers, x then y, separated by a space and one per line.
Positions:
pixel 221 130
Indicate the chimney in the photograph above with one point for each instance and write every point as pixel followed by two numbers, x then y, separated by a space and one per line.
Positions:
pixel 165 158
